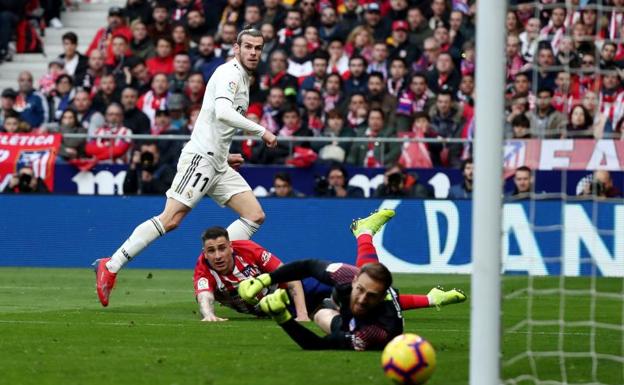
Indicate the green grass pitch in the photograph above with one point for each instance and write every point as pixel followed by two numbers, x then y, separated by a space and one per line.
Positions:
pixel 53 331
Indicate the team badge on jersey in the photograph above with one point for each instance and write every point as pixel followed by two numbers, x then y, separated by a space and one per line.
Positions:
pixel 232 87
pixel 202 284
pixel 250 271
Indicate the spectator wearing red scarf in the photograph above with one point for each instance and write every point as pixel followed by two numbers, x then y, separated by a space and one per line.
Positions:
pixel 563 99
pixel 371 153
pixel 278 76
pixel 292 28
pixel 587 80
pixel 515 62
pixel 111 150
pixel 610 94
pixel 156 98
pixel 271 116
pixel 555 30
pixel 313 118
pixel 415 98
pixel 444 76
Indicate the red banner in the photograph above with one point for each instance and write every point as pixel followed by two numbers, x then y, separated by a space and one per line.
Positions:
pixel 565 154
pixel 35 150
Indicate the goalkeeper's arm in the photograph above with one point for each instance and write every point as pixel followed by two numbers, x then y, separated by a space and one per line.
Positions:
pixel 309 340
pixel 299 270
pixel 276 305
pixel 295 289
pixel 293 271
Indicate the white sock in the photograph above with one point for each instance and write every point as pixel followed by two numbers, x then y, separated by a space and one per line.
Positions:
pixel 242 229
pixel 143 235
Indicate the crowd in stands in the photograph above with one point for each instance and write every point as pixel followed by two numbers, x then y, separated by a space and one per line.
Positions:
pixel 329 68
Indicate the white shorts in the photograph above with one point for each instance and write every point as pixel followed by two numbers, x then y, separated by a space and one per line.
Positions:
pixel 196 177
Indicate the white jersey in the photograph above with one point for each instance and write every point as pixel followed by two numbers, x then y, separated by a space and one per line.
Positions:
pixel 212 138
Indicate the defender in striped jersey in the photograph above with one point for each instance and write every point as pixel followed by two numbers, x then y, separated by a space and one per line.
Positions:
pixel 365 312
pixel 223 264
pixel 205 166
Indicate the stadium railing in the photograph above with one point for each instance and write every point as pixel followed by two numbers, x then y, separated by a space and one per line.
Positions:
pixel 382 141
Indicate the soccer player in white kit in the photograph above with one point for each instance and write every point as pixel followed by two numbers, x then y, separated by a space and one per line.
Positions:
pixel 204 167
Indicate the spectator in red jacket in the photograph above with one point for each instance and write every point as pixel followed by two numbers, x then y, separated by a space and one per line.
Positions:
pixel 111 150
pixel 116 26
pixel 163 61
pixel 414 154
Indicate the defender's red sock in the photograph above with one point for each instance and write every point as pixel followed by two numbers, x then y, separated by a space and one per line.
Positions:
pixel 366 252
pixel 413 301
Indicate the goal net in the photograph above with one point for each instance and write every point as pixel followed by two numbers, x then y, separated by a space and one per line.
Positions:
pixel 563 241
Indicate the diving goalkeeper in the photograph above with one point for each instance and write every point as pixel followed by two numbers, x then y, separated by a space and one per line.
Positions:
pixel 365 312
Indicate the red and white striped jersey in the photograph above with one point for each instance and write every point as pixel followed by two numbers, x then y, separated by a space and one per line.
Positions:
pixel 250 260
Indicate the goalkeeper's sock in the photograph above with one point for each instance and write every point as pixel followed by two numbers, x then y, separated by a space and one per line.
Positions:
pixel 366 252
pixel 143 235
pixel 413 301
pixel 242 229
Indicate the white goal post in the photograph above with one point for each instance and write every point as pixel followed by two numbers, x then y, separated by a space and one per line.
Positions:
pixel 485 318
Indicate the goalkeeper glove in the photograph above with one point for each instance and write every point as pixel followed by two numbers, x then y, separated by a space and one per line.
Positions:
pixel 250 288
pixel 275 305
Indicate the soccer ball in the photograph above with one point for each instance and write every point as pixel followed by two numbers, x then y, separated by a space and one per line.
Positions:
pixel 408 359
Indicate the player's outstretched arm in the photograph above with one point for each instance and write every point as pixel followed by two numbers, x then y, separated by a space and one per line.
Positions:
pixel 293 271
pixel 298 270
pixel 205 299
pixel 295 289
pixel 276 306
pixel 308 340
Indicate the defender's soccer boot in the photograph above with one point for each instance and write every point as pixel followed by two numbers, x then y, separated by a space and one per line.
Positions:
pixel 104 280
pixel 372 223
pixel 438 297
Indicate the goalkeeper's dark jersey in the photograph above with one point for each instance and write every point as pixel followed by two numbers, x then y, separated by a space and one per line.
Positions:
pixel 371 332
pixel 347 332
